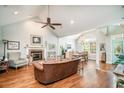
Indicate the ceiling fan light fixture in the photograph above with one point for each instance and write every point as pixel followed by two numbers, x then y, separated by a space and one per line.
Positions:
pixel 72 22
pixel 49 23
pixel 15 12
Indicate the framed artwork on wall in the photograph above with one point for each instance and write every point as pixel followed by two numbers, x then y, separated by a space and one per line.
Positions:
pixel 102 47
pixel 13 45
pixel 36 40
pixel 51 52
pixel 51 46
pixel 68 46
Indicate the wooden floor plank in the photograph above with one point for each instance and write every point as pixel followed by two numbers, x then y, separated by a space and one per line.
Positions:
pixel 89 77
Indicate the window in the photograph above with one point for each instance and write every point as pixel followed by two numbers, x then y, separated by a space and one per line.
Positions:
pixel 93 47
pixel 89 46
pixel 86 46
pixel 117 46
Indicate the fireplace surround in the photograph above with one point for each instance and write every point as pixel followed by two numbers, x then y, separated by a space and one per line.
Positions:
pixel 36 54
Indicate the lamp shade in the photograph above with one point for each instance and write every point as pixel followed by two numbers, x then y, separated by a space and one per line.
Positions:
pixel 4 41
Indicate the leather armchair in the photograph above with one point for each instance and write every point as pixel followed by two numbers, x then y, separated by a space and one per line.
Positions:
pixel 15 60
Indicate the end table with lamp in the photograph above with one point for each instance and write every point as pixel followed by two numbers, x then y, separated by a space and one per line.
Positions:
pixel 4 65
pixel 5 43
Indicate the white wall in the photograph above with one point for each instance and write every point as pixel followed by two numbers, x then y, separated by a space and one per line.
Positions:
pixel 107 40
pixel 1 52
pixel 63 41
pixel 91 35
pixel 108 50
pixel 21 32
pixel 0 33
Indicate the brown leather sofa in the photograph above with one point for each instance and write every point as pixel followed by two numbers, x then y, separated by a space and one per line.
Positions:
pixel 49 72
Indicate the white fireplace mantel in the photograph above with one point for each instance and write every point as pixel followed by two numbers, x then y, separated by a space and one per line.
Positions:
pixel 30 49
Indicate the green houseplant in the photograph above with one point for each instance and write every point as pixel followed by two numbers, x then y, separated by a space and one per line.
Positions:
pixel 62 51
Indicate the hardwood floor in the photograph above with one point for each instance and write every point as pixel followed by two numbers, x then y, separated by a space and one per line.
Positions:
pixel 89 77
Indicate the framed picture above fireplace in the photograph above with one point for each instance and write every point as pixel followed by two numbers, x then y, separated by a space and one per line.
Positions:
pixel 36 40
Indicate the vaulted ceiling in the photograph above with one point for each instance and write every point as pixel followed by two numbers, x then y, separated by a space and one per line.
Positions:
pixel 7 15
pixel 74 19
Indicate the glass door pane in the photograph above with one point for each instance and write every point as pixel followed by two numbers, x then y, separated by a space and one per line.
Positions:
pixel 117 48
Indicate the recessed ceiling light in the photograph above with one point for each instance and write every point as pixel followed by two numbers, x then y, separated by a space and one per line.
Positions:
pixel 72 22
pixel 16 12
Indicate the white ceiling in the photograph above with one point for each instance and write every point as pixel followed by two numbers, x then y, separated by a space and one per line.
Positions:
pixel 84 17
pixel 25 12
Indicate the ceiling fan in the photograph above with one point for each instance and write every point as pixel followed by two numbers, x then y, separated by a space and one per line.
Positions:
pixel 49 23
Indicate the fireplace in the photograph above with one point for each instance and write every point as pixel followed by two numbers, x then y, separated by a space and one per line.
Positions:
pixel 36 54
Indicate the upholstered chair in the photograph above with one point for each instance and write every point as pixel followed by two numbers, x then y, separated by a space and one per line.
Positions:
pixel 15 60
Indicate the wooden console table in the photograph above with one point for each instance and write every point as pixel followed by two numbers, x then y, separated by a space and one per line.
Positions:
pixel 4 65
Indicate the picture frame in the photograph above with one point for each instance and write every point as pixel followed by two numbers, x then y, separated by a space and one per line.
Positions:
pixel 36 40
pixel 68 46
pixel 13 45
pixel 51 46
pixel 102 47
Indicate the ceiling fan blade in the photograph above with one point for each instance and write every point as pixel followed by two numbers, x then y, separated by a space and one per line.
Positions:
pixel 56 24
pixel 40 22
pixel 52 27
pixel 44 26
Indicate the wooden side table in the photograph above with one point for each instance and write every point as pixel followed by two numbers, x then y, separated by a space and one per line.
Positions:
pixel 4 65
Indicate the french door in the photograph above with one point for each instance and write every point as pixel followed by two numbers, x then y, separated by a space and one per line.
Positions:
pixel 117 47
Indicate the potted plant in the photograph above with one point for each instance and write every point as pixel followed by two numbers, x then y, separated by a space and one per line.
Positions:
pixel 62 51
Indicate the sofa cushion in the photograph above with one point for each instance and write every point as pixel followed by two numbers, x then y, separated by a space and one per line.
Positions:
pixel 38 65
